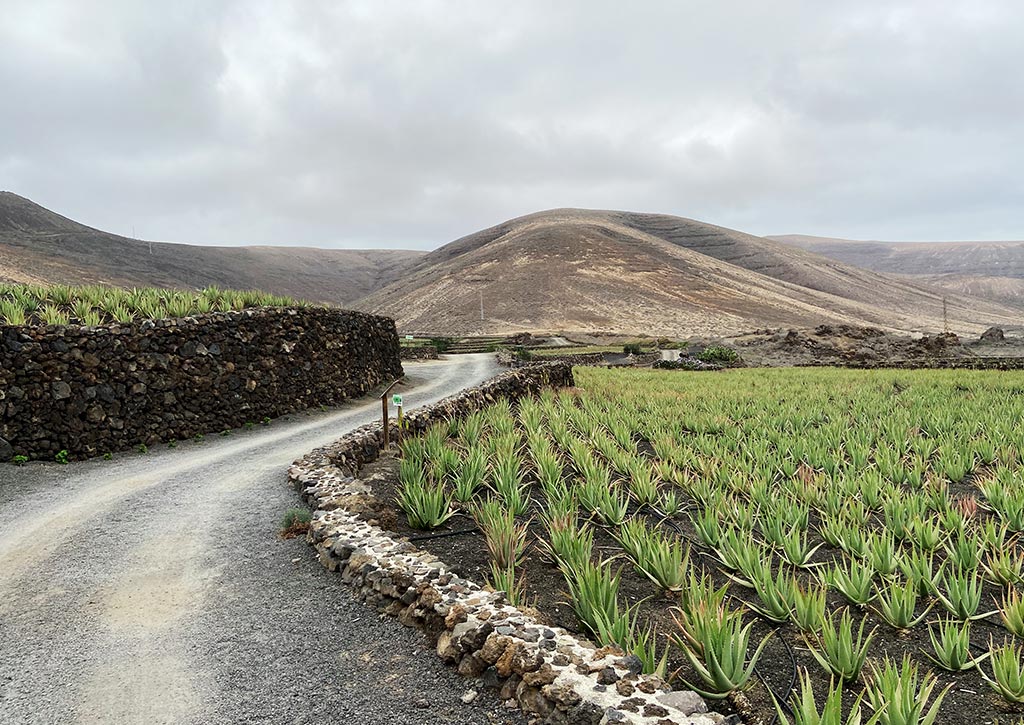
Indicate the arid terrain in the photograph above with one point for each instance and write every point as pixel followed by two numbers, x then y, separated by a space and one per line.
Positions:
pixel 41 246
pixel 580 270
pixel 569 270
pixel 993 270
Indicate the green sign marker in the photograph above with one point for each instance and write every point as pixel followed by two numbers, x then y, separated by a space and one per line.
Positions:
pixel 396 400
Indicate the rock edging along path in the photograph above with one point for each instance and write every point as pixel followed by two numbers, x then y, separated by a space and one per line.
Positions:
pixel 93 390
pixel 548 671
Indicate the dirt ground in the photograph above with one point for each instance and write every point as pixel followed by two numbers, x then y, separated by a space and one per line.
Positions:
pixel 862 346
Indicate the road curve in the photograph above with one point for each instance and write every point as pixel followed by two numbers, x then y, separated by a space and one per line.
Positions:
pixel 153 589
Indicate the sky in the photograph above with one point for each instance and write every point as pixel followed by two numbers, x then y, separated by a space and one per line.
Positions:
pixel 408 124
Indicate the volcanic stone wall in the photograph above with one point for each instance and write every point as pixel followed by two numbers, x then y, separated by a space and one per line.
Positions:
pixel 419 352
pixel 94 390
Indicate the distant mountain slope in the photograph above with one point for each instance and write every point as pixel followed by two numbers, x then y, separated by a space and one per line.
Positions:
pixel 38 245
pixel 573 269
pixel 991 270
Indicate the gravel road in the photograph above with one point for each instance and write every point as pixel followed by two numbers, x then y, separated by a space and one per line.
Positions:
pixel 153 589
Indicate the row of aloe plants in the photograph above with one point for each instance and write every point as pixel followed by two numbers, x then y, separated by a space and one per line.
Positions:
pixel 94 305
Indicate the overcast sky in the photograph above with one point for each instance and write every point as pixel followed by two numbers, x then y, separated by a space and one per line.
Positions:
pixel 408 124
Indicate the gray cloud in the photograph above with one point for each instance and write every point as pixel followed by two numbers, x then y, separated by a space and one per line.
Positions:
pixel 387 123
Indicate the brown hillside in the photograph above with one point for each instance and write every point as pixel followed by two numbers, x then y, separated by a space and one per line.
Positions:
pixel 38 245
pixel 571 269
pixel 991 270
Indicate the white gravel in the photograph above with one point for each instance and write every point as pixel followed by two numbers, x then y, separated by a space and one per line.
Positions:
pixel 153 589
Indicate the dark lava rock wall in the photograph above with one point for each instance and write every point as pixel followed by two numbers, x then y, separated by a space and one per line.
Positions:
pixel 94 390
pixel 419 352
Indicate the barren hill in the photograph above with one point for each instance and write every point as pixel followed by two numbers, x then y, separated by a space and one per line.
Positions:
pixel 38 245
pixel 573 269
pixel 993 270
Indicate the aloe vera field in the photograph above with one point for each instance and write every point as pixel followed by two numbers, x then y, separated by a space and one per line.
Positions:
pixel 797 545
pixel 94 305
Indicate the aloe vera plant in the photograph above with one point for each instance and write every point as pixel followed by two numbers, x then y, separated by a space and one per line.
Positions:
pixel 838 650
pixel 506 539
pixel 855 581
pixel 882 554
pixel 804 706
pixel 951 645
pixel 595 592
pixel 808 607
pixel 1007 671
pixel 962 595
pixel 1004 567
pixel 964 552
pixel 776 594
pixel 661 558
pixel 426 505
pixel 708 527
pixel 899 695
pixel 1012 612
pixel 719 654
pixel 508 581
pixel 918 568
pixel 469 476
pixel 795 548
pixel 896 604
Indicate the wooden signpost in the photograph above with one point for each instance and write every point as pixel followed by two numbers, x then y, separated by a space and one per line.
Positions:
pixel 386 442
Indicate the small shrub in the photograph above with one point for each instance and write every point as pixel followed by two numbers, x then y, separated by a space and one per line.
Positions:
pixel 61 457
pixel 441 343
pixel 719 354
pixel 632 348
pixel 142 448
pixel 19 460
pixel 265 421
pixel 295 522
pixel 108 456
pixel 523 354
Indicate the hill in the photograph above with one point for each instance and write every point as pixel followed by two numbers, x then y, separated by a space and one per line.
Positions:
pixel 40 246
pixel 992 270
pixel 574 269
pixel 559 270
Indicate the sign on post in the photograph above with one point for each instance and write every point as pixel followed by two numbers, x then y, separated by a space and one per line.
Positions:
pixel 396 400
pixel 409 337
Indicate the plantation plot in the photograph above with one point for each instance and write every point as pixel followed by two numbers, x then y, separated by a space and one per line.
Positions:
pixel 94 305
pixel 831 539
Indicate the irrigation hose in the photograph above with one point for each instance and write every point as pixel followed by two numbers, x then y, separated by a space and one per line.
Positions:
pixel 444 534
pixel 783 701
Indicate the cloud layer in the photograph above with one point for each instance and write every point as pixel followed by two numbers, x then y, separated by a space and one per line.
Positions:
pixel 388 123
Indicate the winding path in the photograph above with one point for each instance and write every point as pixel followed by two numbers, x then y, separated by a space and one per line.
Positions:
pixel 153 589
